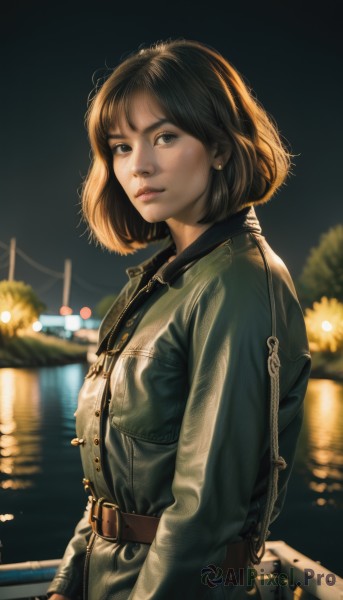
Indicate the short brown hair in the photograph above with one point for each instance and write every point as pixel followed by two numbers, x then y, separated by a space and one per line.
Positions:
pixel 203 94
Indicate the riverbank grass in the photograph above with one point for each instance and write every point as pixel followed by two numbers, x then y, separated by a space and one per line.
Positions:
pixel 38 349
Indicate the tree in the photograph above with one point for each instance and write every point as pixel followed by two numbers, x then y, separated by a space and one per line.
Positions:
pixel 324 325
pixel 19 307
pixel 322 274
pixel 104 305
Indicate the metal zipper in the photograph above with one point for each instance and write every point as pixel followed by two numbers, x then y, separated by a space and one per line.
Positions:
pixel 103 418
pixel 86 566
pixel 94 371
pixel 100 363
pixel 144 290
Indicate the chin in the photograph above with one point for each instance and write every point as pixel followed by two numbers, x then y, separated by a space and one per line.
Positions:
pixel 154 218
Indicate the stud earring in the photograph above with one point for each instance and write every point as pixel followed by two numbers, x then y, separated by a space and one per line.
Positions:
pixel 219 168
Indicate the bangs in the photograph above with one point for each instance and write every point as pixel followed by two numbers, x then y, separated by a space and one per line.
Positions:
pixel 117 107
pixel 173 97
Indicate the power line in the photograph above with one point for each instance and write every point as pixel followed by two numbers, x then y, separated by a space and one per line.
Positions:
pixel 91 287
pixel 57 276
pixel 38 266
pixel 33 262
pixel 47 287
pixel 4 265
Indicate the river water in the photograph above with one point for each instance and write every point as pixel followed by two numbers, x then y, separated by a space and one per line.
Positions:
pixel 42 498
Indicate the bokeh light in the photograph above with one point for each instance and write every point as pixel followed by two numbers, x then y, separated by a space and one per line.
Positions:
pixel 324 324
pixel 5 316
pixel 37 326
pixel 65 310
pixel 85 312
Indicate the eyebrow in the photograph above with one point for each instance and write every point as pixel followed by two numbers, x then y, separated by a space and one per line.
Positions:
pixel 149 129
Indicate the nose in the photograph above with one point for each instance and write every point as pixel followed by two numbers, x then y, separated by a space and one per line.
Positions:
pixel 143 162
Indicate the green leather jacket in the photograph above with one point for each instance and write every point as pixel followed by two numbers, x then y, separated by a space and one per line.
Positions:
pixel 185 432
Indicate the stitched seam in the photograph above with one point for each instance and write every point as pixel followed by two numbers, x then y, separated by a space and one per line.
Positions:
pixel 144 438
pixel 227 245
pixel 149 354
pixel 131 445
pixel 195 302
pixel 122 402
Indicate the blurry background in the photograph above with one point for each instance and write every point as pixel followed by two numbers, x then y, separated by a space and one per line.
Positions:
pixel 52 54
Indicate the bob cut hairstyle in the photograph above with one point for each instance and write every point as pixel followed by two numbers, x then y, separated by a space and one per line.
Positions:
pixel 203 94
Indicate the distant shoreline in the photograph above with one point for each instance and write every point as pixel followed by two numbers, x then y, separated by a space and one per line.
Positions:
pixel 39 350
pixel 327 365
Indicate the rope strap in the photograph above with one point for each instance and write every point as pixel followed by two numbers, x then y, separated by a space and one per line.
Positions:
pixel 277 462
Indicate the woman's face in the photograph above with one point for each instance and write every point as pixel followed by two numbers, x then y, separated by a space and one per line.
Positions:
pixel 164 171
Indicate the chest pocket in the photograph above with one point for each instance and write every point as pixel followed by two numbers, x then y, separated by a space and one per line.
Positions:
pixel 148 396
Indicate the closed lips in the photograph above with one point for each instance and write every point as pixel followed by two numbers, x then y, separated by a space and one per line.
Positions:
pixel 147 190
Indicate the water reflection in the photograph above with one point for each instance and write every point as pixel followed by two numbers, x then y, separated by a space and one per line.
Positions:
pixel 321 442
pixel 40 469
pixel 20 441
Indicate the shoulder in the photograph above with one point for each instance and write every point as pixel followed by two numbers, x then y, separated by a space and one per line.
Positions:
pixel 236 279
pixel 240 263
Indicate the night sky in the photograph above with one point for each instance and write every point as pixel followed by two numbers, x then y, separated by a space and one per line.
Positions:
pixel 289 52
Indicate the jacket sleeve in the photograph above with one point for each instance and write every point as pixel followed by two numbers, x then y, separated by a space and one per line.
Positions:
pixel 223 436
pixel 68 579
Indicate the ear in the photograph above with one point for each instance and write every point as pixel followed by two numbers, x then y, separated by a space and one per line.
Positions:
pixel 220 158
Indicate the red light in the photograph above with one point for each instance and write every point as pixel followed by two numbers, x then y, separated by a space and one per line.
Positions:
pixel 85 312
pixel 65 310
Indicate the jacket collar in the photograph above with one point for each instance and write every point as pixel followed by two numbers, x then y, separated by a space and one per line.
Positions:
pixel 243 221
pixel 156 269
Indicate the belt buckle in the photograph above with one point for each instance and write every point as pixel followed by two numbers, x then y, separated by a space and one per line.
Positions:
pixel 95 514
pixel 116 508
pixel 95 518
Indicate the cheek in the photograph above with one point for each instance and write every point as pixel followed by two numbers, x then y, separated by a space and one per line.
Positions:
pixel 120 171
pixel 189 160
pixel 117 173
pixel 196 169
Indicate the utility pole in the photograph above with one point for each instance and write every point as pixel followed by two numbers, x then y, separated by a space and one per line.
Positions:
pixel 12 259
pixel 67 282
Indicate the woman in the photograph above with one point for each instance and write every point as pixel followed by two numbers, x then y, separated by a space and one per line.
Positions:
pixel 185 456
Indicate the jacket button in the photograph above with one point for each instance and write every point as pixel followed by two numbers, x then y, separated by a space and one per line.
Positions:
pixel 96 441
pixel 129 323
pixel 97 413
pixel 77 442
pixel 96 460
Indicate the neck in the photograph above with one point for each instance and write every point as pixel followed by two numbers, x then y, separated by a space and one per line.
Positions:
pixel 184 234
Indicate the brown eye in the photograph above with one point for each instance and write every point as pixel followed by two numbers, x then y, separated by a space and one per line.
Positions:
pixel 120 149
pixel 165 138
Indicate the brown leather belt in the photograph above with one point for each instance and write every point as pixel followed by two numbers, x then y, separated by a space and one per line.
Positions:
pixel 109 522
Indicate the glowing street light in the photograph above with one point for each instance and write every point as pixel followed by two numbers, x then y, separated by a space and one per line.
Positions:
pixel 5 316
